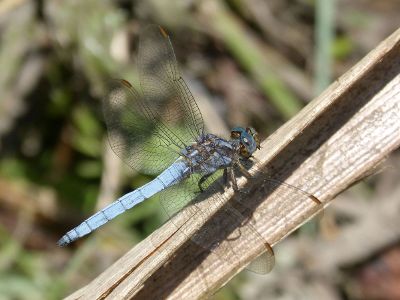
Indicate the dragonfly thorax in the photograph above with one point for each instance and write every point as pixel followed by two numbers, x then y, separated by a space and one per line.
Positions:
pixel 211 153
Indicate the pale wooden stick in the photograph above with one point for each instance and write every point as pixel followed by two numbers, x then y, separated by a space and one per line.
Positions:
pixel 328 146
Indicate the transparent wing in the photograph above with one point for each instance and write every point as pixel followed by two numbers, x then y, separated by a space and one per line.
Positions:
pixel 220 230
pixel 234 219
pixel 270 184
pixel 136 132
pixel 149 128
pixel 163 84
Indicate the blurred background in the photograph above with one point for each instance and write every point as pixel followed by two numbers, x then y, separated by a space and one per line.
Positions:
pixel 247 62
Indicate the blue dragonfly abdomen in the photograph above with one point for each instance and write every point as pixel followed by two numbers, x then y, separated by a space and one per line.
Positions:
pixel 171 176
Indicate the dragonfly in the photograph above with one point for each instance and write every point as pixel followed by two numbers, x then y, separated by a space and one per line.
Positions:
pixel 158 129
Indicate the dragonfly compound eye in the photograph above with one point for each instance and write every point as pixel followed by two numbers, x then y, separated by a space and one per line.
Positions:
pixel 254 134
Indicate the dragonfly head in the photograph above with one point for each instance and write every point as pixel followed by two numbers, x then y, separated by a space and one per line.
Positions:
pixel 248 138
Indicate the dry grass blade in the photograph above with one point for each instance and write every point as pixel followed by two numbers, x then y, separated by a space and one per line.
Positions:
pixel 328 146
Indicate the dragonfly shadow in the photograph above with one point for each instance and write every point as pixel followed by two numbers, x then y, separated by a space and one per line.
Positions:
pixel 189 257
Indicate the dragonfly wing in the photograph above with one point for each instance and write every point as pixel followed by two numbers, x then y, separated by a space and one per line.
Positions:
pixel 264 263
pixel 134 130
pixel 220 226
pixel 163 84
pixel 271 185
pixel 149 128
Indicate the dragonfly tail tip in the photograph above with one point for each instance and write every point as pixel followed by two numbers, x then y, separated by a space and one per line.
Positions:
pixel 63 242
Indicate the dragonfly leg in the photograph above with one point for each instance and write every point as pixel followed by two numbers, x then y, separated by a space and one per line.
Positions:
pixel 232 179
pixel 225 176
pixel 243 170
pixel 246 173
pixel 201 181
